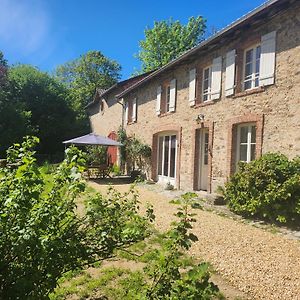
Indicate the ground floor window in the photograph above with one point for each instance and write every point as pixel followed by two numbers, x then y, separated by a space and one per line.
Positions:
pixel 246 142
pixel 167 146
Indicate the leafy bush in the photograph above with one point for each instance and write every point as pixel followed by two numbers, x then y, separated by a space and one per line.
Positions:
pixel 96 155
pixel 267 188
pixel 42 236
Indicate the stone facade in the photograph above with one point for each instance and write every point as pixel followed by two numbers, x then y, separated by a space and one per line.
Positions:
pixel 106 114
pixel 274 109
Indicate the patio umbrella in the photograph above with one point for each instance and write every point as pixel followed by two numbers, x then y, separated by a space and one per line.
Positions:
pixel 93 139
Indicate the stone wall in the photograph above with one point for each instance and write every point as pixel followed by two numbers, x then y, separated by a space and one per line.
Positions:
pixel 276 108
pixel 108 119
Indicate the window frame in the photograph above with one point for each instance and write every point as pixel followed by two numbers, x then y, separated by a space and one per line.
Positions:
pixel 249 142
pixel 253 62
pixel 167 97
pixel 203 94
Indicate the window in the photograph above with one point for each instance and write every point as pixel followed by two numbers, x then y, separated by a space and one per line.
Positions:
pixel 246 142
pixel 131 111
pixel 168 97
pixel 206 93
pixel 251 68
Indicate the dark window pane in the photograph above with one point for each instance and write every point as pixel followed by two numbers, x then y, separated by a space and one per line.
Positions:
pixel 248 70
pixel 252 152
pixel 247 85
pixel 243 152
pixel 160 152
pixel 258 50
pixel 206 73
pixel 206 149
pixel 166 158
pixel 249 56
pixel 244 134
pixel 253 134
pixel 173 156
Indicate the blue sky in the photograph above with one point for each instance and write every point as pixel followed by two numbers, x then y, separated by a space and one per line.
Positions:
pixel 48 33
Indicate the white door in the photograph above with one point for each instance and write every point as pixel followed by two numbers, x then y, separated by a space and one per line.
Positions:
pixel 203 159
pixel 167 153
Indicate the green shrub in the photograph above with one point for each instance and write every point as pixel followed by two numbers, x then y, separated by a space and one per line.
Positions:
pixel 267 188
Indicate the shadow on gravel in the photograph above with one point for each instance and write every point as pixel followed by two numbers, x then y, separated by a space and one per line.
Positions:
pixel 114 181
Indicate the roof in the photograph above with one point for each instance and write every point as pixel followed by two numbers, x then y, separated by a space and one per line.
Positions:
pixel 92 139
pixel 263 11
pixel 123 85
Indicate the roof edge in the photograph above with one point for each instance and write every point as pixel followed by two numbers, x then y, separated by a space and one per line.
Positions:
pixel 214 37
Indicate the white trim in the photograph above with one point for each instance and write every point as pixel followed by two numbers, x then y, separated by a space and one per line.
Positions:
pixel 158 100
pixel 248 143
pixel 267 61
pixel 208 93
pixel 192 86
pixel 172 95
pixel 230 73
pixel 253 74
pixel 216 78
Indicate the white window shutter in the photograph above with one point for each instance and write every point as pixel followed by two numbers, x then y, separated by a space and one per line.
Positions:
pixel 158 100
pixel 230 72
pixel 216 78
pixel 172 95
pixel 126 112
pixel 134 110
pixel 192 87
pixel 267 59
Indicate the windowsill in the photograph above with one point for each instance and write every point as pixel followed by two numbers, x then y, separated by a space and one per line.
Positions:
pixel 206 103
pixel 131 122
pixel 256 90
pixel 166 114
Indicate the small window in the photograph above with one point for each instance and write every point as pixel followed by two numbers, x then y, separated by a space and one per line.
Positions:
pixel 206 91
pixel 246 142
pixel 251 68
pixel 168 98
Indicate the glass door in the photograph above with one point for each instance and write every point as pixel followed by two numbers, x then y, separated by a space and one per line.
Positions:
pixel 167 152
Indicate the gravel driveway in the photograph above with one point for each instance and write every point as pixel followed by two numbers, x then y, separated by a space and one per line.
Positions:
pixel 261 264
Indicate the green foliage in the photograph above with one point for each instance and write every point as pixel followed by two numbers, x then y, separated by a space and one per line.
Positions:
pixel 83 75
pixel 96 155
pixel 42 237
pixel 267 188
pixel 167 40
pixel 115 169
pixel 32 102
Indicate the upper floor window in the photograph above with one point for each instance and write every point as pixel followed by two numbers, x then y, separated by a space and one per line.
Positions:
pixel 252 67
pixel 206 84
pixel 131 111
pixel 246 142
pixel 166 97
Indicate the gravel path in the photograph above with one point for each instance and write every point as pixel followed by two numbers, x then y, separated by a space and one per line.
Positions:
pixel 260 264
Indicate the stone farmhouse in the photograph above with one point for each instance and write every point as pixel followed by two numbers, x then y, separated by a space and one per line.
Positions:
pixel 232 98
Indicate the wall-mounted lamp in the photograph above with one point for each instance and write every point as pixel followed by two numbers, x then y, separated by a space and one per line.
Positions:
pixel 200 118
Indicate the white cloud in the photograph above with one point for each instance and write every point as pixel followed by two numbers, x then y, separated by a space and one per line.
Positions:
pixel 24 25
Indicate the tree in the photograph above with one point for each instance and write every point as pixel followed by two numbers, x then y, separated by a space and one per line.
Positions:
pixel 3 69
pixel 42 236
pixel 44 101
pixel 13 118
pixel 83 75
pixel 167 40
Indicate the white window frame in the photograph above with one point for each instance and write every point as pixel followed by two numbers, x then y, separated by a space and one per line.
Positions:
pixel 248 143
pixel 208 91
pixel 161 177
pixel 254 75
